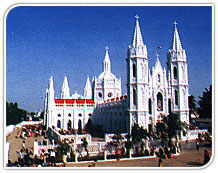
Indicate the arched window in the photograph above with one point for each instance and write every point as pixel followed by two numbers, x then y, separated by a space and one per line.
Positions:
pixel 159 102
pixel 134 96
pixel 80 115
pixel 169 106
pixel 58 124
pixel 69 125
pixel 134 70
pixel 158 78
pixel 176 98
pixel 79 125
pixel 69 115
pixel 175 74
pixel 59 115
pixel 150 106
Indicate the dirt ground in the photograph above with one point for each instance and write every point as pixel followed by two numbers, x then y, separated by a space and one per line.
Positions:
pixel 188 158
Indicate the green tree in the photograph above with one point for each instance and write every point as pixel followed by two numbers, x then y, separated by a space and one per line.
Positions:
pixel 138 133
pixel 205 103
pixel 192 104
pixel 14 114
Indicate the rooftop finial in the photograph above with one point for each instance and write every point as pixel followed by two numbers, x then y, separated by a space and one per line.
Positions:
pixel 136 16
pixel 175 23
pixel 106 48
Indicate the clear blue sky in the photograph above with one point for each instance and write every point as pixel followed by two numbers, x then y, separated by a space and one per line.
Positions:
pixel 58 41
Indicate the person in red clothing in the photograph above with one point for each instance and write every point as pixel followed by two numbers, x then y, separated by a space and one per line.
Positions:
pixel 206 157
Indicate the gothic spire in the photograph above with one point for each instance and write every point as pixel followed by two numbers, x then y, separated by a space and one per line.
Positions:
pixel 107 62
pixel 50 91
pixel 65 91
pixel 137 39
pixel 176 45
pixel 88 89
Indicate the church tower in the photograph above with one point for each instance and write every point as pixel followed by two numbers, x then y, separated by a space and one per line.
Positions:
pixel 137 79
pixel 178 77
pixel 50 102
pixel 106 86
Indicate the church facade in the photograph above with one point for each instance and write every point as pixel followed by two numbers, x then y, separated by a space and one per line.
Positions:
pixel 152 93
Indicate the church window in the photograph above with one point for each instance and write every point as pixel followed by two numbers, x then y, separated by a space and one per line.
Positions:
pixel 159 102
pixel 80 115
pixel 176 98
pixel 100 94
pixel 158 77
pixel 59 115
pixel 134 96
pixel 69 125
pixel 58 124
pixel 134 70
pixel 175 74
pixel 169 106
pixel 90 115
pixel 150 106
pixel 69 115
pixel 109 94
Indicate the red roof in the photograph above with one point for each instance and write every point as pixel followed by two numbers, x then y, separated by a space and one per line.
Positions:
pixel 78 102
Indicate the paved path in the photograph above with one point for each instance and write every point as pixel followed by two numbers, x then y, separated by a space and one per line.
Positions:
pixel 189 158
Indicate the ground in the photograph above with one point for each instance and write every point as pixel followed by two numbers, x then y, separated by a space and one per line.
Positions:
pixel 188 158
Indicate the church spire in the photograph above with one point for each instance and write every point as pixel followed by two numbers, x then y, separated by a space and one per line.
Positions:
pixel 88 90
pixel 176 44
pixel 65 91
pixel 50 91
pixel 107 62
pixel 137 39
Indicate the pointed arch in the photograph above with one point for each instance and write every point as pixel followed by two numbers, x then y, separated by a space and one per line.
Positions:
pixel 175 72
pixel 169 106
pixel 149 106
pixel 69 125
pixel 58 124
pixel 134 70
pixel 176 98
pixel 134 96
pixel 159 101
pixel 79 125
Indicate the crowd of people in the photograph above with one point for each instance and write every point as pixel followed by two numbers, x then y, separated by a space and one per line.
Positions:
pixel 31 130
pixel 48 157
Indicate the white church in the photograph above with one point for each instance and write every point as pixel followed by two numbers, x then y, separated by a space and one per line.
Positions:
pixel 152 93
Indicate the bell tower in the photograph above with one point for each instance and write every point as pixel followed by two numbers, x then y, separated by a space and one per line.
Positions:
pixel 177 67
pixel 137 79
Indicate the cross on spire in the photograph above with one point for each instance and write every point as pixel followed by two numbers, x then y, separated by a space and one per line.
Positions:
pixel 136 16
pixel 106 48
pixel 175 23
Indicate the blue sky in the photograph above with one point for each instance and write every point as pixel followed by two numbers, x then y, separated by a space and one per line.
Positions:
pixel 59 41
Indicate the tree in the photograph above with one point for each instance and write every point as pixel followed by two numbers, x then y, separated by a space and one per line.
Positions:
pixel 192 105
pixel 138 133
pixel 205 103
pixel 14 114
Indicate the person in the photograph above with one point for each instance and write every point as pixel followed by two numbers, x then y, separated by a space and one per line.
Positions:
pixel 160 162
pixel 118 154
pixel 23 145
pixel 206 157
pixel 197 145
